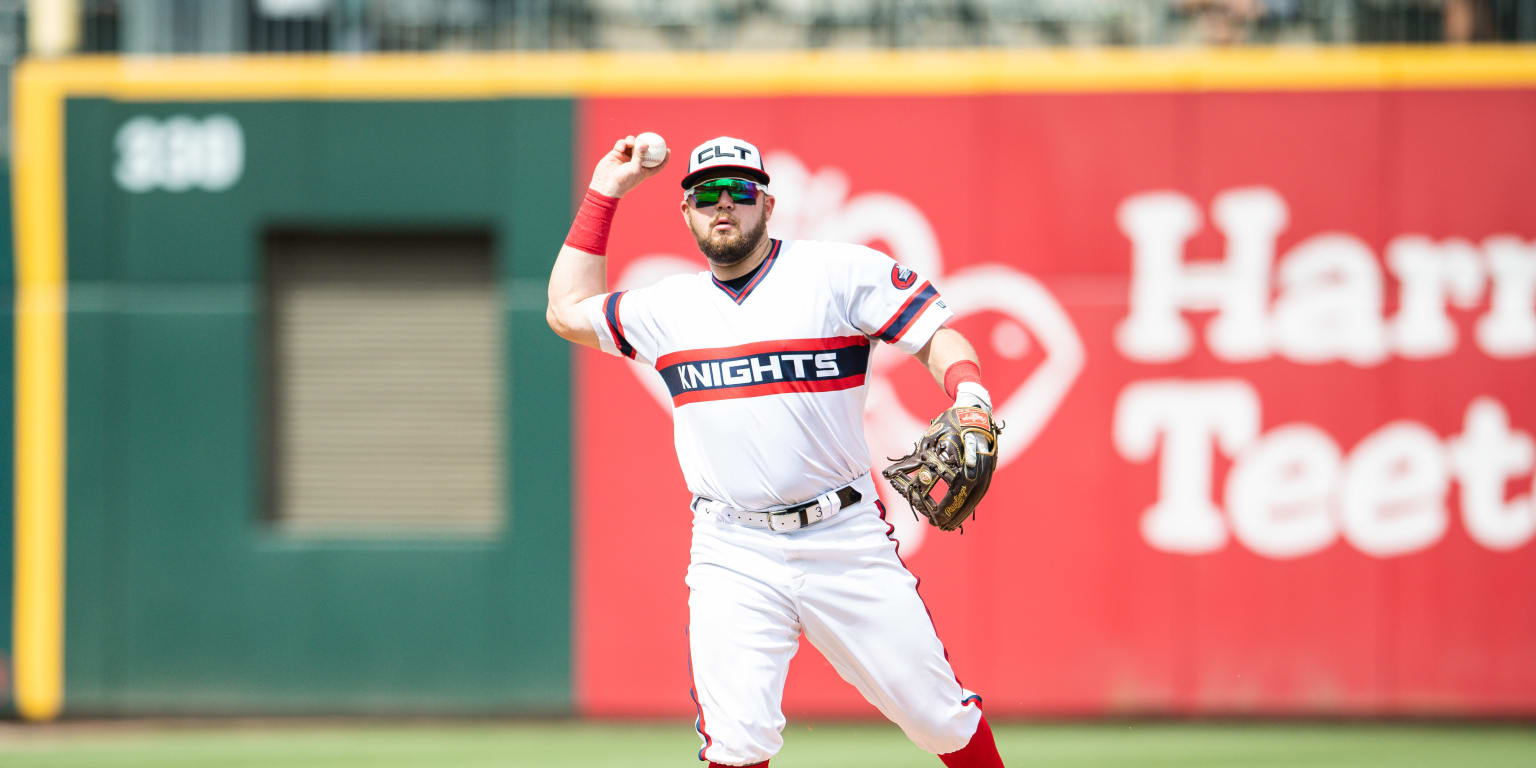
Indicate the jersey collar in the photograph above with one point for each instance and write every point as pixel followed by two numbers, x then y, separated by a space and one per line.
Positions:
pixel 740 296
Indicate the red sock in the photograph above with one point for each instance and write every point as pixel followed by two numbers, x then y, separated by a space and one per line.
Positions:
pixel 763 764
pixel 981 752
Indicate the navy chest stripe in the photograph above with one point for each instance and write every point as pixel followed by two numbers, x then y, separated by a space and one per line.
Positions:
pixel 767 372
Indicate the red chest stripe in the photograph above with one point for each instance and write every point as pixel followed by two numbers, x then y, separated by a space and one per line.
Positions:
pixel 760 347
pixel 769 388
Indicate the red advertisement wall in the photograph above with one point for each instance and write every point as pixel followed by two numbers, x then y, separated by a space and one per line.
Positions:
pixel 1268 362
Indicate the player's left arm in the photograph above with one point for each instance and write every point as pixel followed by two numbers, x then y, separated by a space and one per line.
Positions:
pixel 952 362
pixel 959 448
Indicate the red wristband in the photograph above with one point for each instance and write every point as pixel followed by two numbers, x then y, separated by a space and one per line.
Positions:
pixel 959 373
pixel 589 232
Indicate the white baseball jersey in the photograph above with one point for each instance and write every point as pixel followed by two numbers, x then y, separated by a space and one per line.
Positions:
pixel 768 383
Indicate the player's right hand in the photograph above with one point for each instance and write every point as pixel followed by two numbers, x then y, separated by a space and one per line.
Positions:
pixel 620 170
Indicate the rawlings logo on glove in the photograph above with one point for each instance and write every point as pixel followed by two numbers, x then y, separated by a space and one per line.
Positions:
pixel 959 449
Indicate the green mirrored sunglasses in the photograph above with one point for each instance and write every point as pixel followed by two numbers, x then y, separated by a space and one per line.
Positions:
pixel 707 193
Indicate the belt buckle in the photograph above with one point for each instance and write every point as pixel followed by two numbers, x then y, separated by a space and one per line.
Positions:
pixel 775 517
pixel 799 513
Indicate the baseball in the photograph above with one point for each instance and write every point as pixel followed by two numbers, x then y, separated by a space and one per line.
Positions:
pixel 655 149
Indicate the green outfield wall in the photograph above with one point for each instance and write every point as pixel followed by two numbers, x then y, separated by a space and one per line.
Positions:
pixel 182 596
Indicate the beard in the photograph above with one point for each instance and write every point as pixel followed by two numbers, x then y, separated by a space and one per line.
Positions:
pixel 723 251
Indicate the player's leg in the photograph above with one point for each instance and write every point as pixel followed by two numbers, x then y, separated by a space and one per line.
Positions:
pixel 742 634
pixel 861 609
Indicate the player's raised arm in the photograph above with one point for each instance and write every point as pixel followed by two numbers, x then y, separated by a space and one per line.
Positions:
pixel 581 268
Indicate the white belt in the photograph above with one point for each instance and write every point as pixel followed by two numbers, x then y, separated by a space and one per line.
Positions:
pixel 785 519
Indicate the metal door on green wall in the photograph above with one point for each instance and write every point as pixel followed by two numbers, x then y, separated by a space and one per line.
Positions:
pixel 317 454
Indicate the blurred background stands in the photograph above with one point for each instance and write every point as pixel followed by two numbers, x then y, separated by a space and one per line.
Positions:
pixel 304 26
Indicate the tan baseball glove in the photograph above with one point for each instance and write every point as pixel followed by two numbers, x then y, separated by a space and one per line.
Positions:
pixel 960 450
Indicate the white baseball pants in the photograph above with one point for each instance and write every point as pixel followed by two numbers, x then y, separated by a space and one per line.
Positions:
pixel 752 592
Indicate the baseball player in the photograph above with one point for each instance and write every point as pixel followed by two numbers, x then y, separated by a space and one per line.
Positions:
pixel 765 356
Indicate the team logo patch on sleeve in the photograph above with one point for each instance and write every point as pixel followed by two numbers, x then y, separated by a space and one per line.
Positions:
pixel 902 278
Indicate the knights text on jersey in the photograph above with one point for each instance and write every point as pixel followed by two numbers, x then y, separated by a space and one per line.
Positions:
pixel 767 383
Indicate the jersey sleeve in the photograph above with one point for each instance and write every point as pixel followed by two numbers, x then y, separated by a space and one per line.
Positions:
pixel 624 324
pixel 889 302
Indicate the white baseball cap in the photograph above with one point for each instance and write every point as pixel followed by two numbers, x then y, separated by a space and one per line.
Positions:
pixel 724 156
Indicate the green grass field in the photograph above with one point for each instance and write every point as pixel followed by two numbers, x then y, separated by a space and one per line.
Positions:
pixel 559 743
